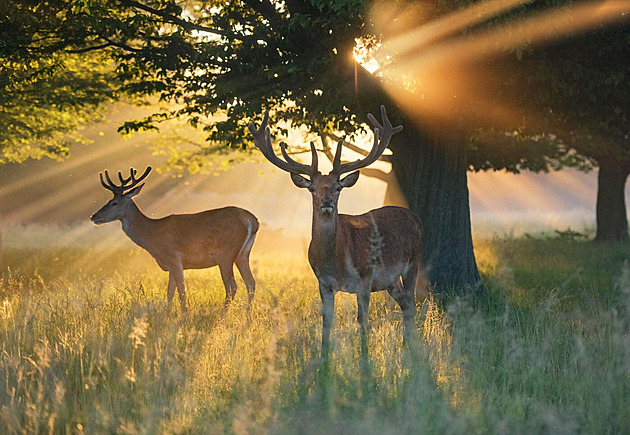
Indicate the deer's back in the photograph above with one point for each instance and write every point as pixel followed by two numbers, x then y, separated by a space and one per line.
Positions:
pixel 204 239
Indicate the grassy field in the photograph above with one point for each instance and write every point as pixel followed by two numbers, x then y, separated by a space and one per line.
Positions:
pixel 86 346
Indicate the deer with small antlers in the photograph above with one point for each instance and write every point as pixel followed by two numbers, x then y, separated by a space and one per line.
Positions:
pixel 378 250
pixel 222 237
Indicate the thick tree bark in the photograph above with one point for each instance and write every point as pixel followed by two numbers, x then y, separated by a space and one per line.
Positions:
pixel 612 221
pixel 431 171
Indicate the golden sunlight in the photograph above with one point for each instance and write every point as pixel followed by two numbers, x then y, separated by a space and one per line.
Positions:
pixel 434 73
pixel 500 203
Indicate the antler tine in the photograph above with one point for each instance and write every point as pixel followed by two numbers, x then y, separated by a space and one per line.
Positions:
pixel 305 169
pixel 382 136
pixel 135 181
pixel 110 182
pixel 337 160
pixel 100 175
pixel 142 177
pixel 314 159
pixel 124 182
pixel 262 140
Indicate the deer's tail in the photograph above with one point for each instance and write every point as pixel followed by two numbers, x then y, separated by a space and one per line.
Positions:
pixel 252 230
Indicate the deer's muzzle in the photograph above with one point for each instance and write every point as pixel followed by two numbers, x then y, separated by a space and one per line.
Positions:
pixel 97 220
pixel 326 206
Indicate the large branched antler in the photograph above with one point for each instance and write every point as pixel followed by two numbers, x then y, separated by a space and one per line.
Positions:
pixel 262 140
pixel 124 182
pixel 382 136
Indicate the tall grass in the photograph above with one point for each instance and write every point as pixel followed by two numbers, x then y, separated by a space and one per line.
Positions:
pixel 86 346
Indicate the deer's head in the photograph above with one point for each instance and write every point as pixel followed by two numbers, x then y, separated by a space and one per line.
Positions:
pixel 119 206
pixel 325 189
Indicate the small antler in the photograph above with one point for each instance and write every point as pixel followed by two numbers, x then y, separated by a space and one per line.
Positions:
pixel 124 182
pixel 382 135
pixel 262 140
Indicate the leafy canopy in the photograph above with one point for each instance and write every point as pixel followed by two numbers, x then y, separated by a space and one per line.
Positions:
pixel 47 91
pixel 240 57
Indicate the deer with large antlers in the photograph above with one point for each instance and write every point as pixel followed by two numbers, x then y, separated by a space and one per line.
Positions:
pixel 378 250
pixel 222 237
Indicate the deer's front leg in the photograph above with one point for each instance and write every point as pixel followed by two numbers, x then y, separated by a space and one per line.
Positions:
pixel 328 311
pixel 363 306
pixel 171 291
pixel 178 275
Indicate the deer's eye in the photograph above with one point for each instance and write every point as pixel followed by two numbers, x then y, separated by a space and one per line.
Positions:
pixel 114 204
pixel 339 188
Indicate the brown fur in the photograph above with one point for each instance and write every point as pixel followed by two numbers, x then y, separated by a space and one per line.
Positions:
pixel 378 250
pixel 222 237
pixel 354 250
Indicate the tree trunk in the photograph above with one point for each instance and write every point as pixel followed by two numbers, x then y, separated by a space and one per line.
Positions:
pixel 431 174
pixel 431 171
pixel 612 221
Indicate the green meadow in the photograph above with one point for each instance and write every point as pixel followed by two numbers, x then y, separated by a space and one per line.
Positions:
pixel 86 346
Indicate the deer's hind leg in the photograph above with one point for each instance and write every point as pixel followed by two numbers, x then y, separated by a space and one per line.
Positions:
pixel 403 293
pixel 227 275
pixel 242 263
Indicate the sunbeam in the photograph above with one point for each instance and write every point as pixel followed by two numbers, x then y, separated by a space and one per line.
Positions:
pixel 41 177
pixel 436 74
pixel 432 32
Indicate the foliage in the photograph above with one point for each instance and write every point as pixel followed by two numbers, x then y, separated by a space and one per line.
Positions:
pixel 295 57
pixel 255 56
pixel 559 98
pixel 188 150
pixel 515 152
pixel 86 347
pixel 46 92
pixel 579 89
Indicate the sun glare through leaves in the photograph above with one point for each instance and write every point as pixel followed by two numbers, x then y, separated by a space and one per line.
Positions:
pixel 438 68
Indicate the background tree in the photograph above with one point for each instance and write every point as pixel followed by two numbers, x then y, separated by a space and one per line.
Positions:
pixel 583 85
pixel 573 105
pixel 551 85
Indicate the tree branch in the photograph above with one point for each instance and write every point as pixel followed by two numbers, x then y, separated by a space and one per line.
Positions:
pixel 386 177
pixel 326 148
pixel 356 148
pixel 121 45
pixel 173 19
pixel 266 9
pixel 91 48
pixel 296 6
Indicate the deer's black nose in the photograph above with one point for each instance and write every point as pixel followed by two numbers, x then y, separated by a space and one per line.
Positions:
pixel 327 205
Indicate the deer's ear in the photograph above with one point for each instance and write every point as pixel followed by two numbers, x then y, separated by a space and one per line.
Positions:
pixel 300 181
pixel 349 180
pixel 133 192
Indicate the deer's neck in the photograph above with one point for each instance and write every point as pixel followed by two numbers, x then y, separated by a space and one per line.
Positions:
pixel 324 238
pixel 137 226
